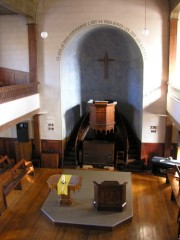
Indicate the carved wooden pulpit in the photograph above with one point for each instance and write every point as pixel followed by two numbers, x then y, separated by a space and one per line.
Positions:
pixel 102 116
pixel 110 196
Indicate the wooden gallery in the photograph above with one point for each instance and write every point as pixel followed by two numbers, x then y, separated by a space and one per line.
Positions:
pixel 90 119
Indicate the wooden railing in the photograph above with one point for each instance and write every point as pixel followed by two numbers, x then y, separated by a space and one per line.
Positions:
pixel 13 92
pixel 81 134
pixel 9 77
pixel 123 136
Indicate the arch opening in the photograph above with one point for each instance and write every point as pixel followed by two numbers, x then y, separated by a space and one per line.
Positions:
pixel 82 74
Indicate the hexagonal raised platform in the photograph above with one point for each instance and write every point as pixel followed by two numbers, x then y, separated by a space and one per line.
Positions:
pixel 82 211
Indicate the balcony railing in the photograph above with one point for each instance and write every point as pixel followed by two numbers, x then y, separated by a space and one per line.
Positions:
pixel 174 91
pixel 13 92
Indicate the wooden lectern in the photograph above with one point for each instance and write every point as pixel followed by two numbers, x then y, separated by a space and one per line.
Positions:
pixel 102 116
pixel 110 196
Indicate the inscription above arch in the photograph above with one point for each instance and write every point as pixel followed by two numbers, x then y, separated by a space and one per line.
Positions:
pixel 98 23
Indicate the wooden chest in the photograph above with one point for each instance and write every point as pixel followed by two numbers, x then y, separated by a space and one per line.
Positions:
pixel 98 153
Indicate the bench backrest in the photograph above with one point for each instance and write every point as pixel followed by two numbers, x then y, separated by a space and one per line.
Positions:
pixel 6 163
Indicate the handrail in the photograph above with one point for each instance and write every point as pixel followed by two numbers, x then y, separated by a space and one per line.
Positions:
pixel 124 134
pixel 174 91
pixel 84 127
pixel 13 92
pixel 173 85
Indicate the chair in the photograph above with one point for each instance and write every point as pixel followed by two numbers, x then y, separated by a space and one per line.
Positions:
pixel 110 196
pixel 120 158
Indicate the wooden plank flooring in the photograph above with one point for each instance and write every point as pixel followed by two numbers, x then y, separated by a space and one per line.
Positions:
pixel 154 214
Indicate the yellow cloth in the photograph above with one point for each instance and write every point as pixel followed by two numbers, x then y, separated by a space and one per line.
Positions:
pixel 62 188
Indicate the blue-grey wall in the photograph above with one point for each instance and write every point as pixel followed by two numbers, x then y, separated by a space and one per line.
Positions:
pixel 80 67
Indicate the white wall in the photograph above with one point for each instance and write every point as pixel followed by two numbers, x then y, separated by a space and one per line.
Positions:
pixel 14 54
pixel 16 109
pixel 173 108
pixel 14 43
pixel 62 19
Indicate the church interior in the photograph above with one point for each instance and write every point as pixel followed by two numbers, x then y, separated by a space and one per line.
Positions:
pixel 90 119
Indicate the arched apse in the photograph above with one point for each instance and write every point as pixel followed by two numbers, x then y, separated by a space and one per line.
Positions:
pixel 82 75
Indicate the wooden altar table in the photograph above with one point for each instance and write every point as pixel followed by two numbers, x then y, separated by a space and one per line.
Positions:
pixel 72 185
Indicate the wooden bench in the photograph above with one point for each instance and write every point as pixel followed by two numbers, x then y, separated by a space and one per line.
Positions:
pixel 11 179
pixel 175 193
pixel 6 163
pixel 2 200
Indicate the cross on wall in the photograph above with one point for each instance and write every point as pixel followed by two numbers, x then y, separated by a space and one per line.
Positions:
pixel 106 61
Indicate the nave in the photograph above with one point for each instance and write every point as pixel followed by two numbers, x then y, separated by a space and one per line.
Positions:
pixel 154 214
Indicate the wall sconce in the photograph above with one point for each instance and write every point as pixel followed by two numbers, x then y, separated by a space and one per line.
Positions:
pixel 44 34
pixel 145 31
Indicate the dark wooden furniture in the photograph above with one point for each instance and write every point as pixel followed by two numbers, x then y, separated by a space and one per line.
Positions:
pixel 50 160
pixel 31 218
pixel 161 164
pixel 120 158
pixel 98 153
pixel 11 179
pixel 102 116
pixel 6 163
pixel 2 200
pixel 73 185
pixel 23 150
pixel 110 196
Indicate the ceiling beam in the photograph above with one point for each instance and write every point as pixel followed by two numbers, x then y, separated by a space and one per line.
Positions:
pixel 174 5
pixel 26 8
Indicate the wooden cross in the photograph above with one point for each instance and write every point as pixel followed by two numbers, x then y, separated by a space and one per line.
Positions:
pixel 106 61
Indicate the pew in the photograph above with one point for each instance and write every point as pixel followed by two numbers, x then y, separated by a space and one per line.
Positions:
pixel 11 179
pixel 2 200
pixel 6 163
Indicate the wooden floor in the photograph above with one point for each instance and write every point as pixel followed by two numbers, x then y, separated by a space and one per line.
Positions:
pixel 154 214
